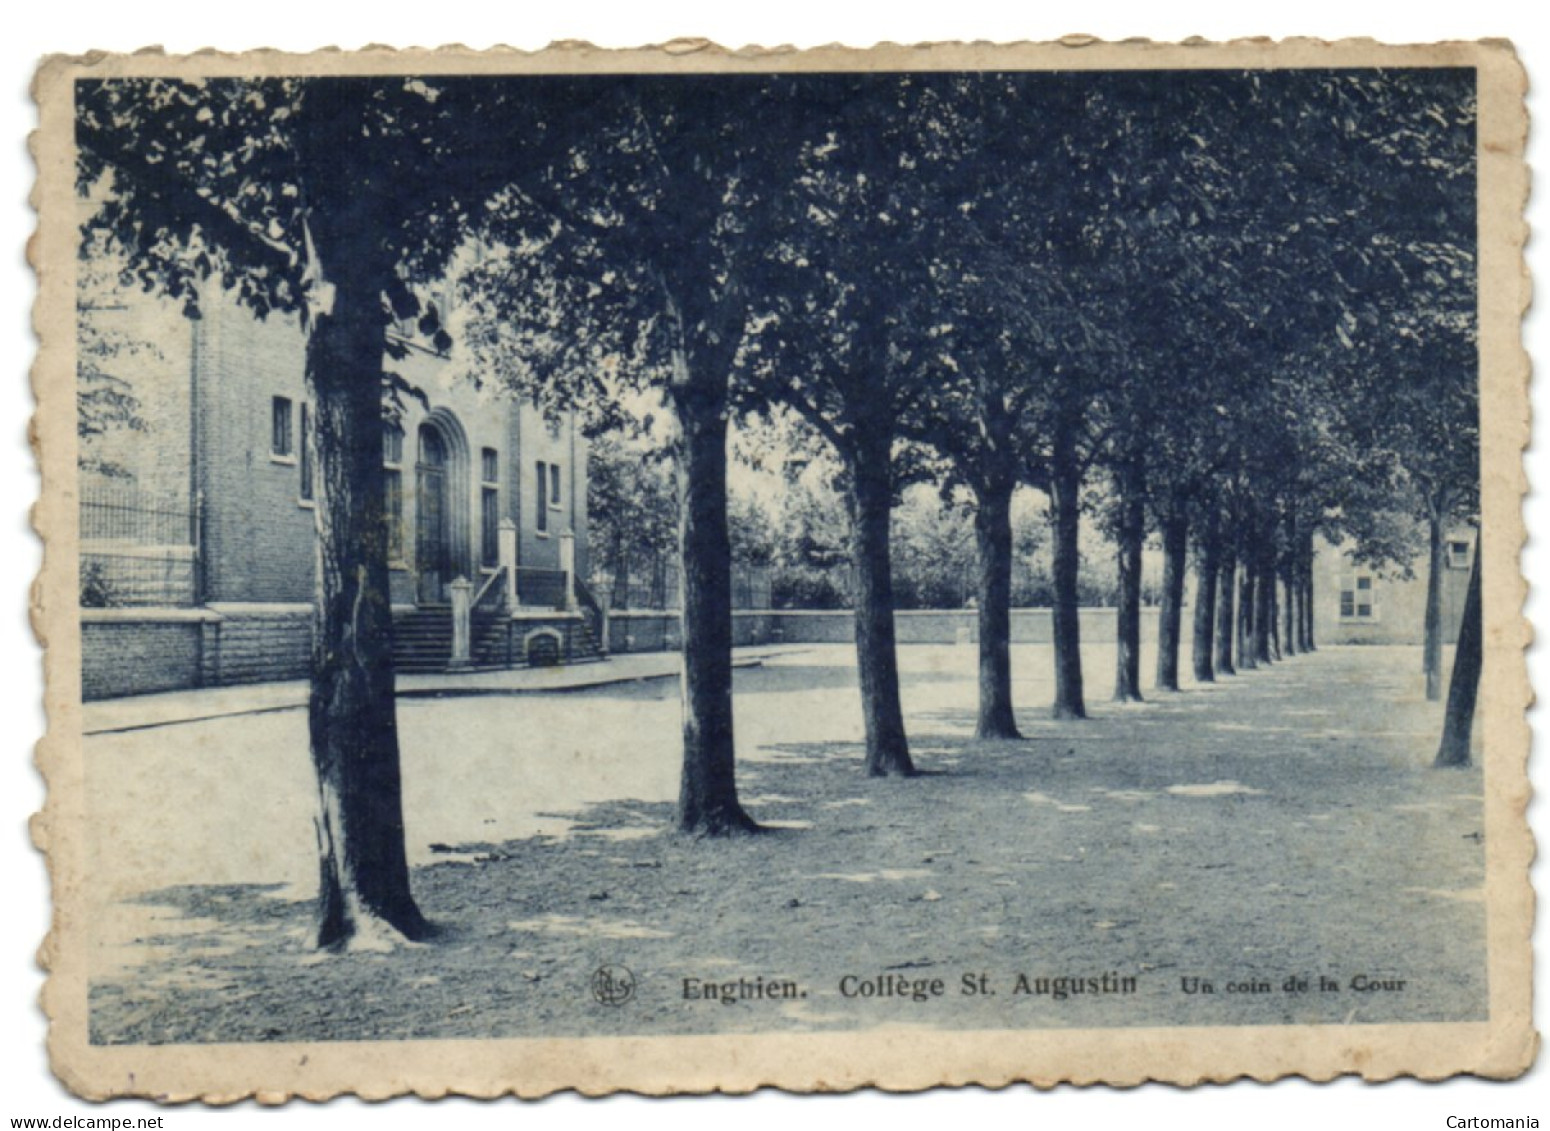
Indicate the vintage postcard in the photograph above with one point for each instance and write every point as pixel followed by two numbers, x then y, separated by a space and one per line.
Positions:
pixel 683 570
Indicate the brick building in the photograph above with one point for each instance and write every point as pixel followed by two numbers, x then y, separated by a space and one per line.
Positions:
pixel 197 557
pixel 1357 604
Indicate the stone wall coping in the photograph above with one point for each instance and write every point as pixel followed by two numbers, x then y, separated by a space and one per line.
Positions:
pixel 625 614
pixel 135 614
pixel 261 608
pixel 218 611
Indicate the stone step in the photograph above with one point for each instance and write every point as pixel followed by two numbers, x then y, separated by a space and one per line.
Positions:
pixel 422 642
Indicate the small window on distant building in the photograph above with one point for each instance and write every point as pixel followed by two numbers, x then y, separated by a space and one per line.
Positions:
pixel 489 506
pixel 393 489
pixel 554 484
pixel 1356 600
pixel 282 441
pixel 1458 554
pixel 306 454
pixel 1364 596
pixel 543 498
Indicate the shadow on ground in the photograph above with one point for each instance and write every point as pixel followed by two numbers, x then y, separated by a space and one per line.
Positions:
pixel 1281 826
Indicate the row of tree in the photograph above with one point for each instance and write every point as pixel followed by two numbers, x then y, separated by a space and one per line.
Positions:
pixel 1245 307
pixel 1237 306
pixel 790 529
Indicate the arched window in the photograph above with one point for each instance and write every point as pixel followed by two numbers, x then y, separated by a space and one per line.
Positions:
pixel 433 449
pixel 444 515
pixel 434 534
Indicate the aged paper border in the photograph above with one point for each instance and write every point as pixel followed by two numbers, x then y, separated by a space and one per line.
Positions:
pixel 895 1059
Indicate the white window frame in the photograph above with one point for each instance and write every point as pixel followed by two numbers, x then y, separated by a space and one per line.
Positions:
pixel 489 487
pixel 1353 588
pixel 288 457
pixel 398 559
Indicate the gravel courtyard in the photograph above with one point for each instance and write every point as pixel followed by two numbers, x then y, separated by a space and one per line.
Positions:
pixel 1275 827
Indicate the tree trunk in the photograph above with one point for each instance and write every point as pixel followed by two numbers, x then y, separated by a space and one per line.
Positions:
pixel 1431 652
pixel 1286 570
pixel 707 794
pixel 1277 650
pixel 1206 565
pixel 1170 618
pixel 871 506
pixel 1226 613
pixel 1305 590
pixel 1292 614
pixel 1272 605
pixel 1305 606
pixel 993 532
pixel 1464 686
pixel 1309 644
pixel 363 869
pixel 1065 506
pixel 1131 536
pixel 1264 605
pixel 1281 594
pixel 1247 606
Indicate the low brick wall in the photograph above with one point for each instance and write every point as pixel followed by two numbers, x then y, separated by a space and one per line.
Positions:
pixel 947 626
pixel 136 651
pixel 140 651
pixel 637 630
pixel 259 643
pixel 654 631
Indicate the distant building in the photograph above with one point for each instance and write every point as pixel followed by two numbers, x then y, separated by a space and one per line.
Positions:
pixel 1356 604
pixel 197 553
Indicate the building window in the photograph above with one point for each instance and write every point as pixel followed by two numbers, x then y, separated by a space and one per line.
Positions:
pixel 282 442
pixel 393 489
pixel 306 454
pixel 1458 554
pixel 543 497
pixel 554 485
pixel 1356 600
pixel 490 506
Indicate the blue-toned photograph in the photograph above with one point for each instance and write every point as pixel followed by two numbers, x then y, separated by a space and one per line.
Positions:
pixel 577 555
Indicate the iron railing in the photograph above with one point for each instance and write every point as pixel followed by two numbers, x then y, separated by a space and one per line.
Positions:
pixel 137 553
pixel 657 587
pixel 492 585
pixel 592 614
pixel 118 514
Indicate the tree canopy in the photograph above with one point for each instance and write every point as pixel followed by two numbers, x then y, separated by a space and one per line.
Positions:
pixel 1231 306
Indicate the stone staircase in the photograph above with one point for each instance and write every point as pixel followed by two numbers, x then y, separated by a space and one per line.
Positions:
pixel 585 645
pixel 585 648
pixel 422 640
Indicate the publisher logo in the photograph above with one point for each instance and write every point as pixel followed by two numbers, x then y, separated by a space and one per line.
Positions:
pixel 613 985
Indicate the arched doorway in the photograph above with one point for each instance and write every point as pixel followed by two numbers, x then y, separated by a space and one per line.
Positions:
pixel 441 506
